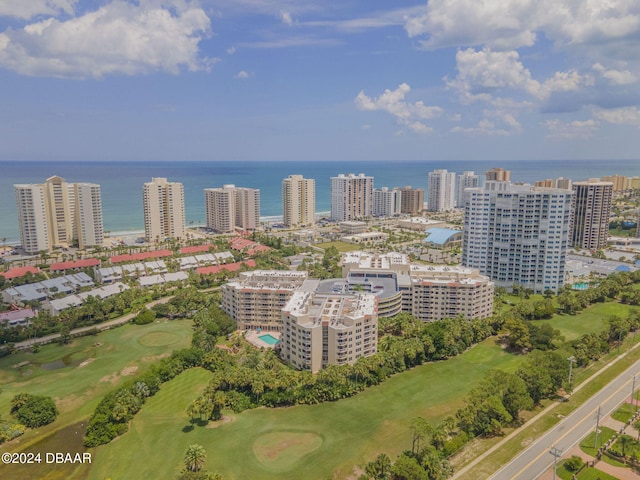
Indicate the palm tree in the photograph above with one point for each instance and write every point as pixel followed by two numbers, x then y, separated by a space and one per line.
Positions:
pixel 625 441
pixel 194 458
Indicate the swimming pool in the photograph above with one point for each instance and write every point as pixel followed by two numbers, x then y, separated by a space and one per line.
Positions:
pixel 270 339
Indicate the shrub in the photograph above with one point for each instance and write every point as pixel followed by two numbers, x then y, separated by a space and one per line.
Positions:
pixel 33 410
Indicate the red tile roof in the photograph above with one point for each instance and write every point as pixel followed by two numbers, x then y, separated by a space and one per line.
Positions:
pixel 19 272
pixel 239 243
pixel 134 257
pixel 197 248
pixel 229 267
pixel 70 265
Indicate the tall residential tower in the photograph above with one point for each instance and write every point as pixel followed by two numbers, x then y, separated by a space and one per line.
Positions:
pixel 591 209
pixel 298 201
pixel 164 214
pixel 232 207
pixel 351 197
pixel 57 213
pixel 517 234
pixel 441 188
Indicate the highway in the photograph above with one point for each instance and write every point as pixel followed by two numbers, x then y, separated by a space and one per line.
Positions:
pixel 536 459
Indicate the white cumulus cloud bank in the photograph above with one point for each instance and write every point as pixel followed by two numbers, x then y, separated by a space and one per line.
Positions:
pixel 508 24
pixel 30 8
pixel 393 102
pixel 118 38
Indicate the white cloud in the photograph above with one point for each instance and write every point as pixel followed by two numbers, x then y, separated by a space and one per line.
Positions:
pixel 620 116
pixel 393 102
pixel 559 130
pixel 509 24
pixel 616 77
pixel 243 75
pixel 118 38
pixel 484 127
pixel 231 50
pixel 288 42
pixel 501 24
pixel 27 9
pixel 286 18
pixel 485 70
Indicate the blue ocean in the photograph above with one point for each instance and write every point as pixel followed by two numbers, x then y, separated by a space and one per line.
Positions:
pixel 121 182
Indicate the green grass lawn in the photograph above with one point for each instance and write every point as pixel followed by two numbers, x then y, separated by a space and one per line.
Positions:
pixel 592 319
pixel 622 414
pixel 310 442
pixel 341 246
pixel 594 474
pixel 79 374
pixel 588 444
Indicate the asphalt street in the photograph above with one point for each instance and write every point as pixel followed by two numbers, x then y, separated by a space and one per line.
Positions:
pixel 533 461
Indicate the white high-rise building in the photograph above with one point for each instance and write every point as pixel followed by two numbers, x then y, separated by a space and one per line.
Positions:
pixel 32 218
pixel 441 187
pixel 164 214
pixel 517 234
pixel 351 197
pixel 88 214
pixel 298 201
pixel 57 213
pixel 232 207
pixel 386 203
pixel 466 180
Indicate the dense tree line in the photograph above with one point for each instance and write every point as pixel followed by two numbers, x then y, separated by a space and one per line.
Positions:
pixel 254 378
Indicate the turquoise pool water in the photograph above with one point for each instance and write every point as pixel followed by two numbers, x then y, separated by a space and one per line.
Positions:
pixel 270 339
pixel 580 286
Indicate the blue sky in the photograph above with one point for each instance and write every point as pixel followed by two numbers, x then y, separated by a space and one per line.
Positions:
pixel 319 80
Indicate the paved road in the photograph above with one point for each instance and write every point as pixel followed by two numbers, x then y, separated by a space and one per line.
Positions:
pixel 100 326
pixel 532 463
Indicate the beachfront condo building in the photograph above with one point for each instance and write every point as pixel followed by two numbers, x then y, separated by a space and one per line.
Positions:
pixel 498 175
pixel 59 214
pixel 441 188
pixel 412 200
pixel 351 197
pixel 319 330
pixel 517 234
pixel 591 206
pixel 164 213
pixel 230 208
pixel 298 201
pixel 620 182
pixel 466 180
pixel 386 203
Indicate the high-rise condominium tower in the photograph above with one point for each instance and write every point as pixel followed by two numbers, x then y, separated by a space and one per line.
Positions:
pixel 412 200
pixel 466 180
pixel 386 203
pixel 517 234
pixel 164 214
pixel 232 207
pixel 591 209
pixel 498 174
pixel 298 201
pixel 351 197
pixel 58 213
pixel 441 188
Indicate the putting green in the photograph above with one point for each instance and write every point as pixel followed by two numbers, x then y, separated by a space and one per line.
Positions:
pixel 158 339
pixel 282 451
